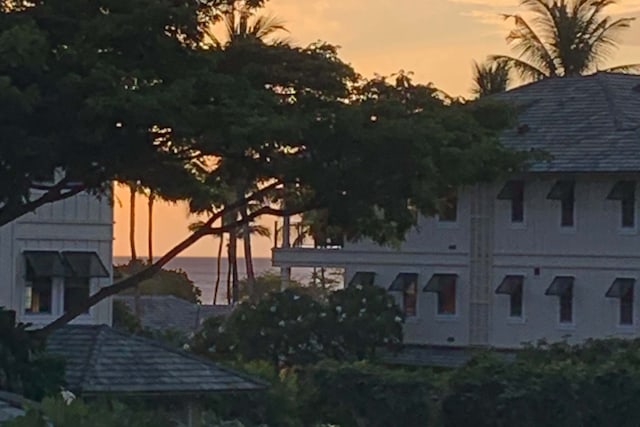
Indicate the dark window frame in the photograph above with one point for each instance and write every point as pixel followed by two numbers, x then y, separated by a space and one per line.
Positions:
pixel 628 213
pixel 75 290
pixel 448 287
pixel 33 284
pixel 448 211
pixel 410 300
pixel 625 317
pixel 565 302
pixel 516 303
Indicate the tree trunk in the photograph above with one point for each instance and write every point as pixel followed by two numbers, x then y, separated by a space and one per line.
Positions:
pixel 133 188
pixel 218 266
pixel 248 258
pixel 152 198
pixel 233 264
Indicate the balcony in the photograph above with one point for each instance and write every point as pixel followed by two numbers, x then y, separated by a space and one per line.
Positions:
pixel 299 245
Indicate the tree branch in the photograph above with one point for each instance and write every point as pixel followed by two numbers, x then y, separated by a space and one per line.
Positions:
pixel 54 193
pixel 152 269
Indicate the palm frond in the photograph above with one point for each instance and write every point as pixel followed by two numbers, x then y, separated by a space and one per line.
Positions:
pixel 526 71
pixel 624 69
pixel 490 77
pixel 530 46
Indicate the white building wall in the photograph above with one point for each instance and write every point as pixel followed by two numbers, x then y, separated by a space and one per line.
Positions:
pixel 596 251
pixel 81 223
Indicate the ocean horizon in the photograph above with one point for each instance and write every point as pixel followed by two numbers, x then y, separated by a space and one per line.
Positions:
pixel 203 272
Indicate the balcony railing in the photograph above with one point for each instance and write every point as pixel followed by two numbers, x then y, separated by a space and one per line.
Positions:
pixel 302 236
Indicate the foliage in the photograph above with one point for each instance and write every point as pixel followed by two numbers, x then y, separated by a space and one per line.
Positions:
pixel 270 282
pixel 24 367
pixel 279 405
pixel 165 282
pixel 124 319
pixel 361 394
pixel 589 385
pixel 567 38
pixel 490 78
pixel 291 328
pixel 298 118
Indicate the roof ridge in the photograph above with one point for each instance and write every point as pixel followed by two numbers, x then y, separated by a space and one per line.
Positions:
pixel 195 357
pixel 91 353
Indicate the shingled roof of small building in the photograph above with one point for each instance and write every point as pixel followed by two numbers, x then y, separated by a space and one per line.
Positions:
pixel 102 360
pixel 12 406
pixel 163 312
pixel 586 124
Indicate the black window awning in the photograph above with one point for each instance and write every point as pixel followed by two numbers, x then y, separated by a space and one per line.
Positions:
pixel 364 278
pixel 85 264
pixel 437 281
pixel 44 264
pixel 623 190
pixel 620 287
pixel 510 285
pixel 511 190
pixel 403 281
pixel 561 285
pixel 562 190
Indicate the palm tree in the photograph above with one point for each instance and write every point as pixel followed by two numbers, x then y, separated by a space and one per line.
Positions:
pixel 241 23
pixel 490 78
pixel 245 234
pixel 567 38
pixel 133 190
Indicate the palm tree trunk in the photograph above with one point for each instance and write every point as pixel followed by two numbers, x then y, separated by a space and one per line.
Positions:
pixel 152 198
pixel 233 264
pixel 248 258
pixel 218 266
pixel 133 188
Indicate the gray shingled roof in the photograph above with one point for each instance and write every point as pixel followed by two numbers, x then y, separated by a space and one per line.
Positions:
pixel 163 312
pixel 587 124
pixel 10 406
pixel 103 360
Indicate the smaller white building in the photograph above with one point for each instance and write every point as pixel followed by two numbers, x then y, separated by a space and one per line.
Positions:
pixel 54 258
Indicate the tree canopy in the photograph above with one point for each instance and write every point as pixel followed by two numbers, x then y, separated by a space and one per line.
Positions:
pixel 127 91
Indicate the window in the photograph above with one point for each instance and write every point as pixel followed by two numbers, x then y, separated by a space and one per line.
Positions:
pixel 564 191
pixel 626 307
pixel 448 211
pixel 514 191
pixel 622 288
pixel 512 285
pixel 625 192
pixel 409 299
pixel 76 292
pixel 444 286
pixel 566 307
pixel 38 296
pixel 407 283
pixel 562 287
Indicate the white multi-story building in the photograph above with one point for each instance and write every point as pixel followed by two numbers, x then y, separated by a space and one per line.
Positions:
pixel 553 253
pixel 55 257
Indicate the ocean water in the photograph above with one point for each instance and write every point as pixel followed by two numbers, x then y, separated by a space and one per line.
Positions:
pixel 203 272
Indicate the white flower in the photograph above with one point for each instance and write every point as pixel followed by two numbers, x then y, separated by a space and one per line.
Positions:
pixel 186 347
pixel 323 314
pixel 273 309
pixel 299 319
pixel 398 319
pixel 339 309
pixel 67 396
pixel 364 300
pixel 359 287
pixel 296 297
pixel 281 323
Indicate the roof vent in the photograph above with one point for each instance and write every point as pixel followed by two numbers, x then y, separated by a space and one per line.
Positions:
pixel 522 129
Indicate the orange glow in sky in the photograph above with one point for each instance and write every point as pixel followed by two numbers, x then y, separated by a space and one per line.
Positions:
pixel 437 40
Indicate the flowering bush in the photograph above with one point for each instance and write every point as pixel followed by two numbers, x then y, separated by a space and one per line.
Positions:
pixel 291 328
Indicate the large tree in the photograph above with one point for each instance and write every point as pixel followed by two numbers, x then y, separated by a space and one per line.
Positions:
pixel 297 125
pixel 564 38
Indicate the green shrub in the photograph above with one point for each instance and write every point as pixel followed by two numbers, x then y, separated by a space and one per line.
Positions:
pixel 291 328
pixel 24 366
pixel 361 394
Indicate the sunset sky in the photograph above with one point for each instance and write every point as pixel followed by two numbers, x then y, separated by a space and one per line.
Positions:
pixel 437 40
